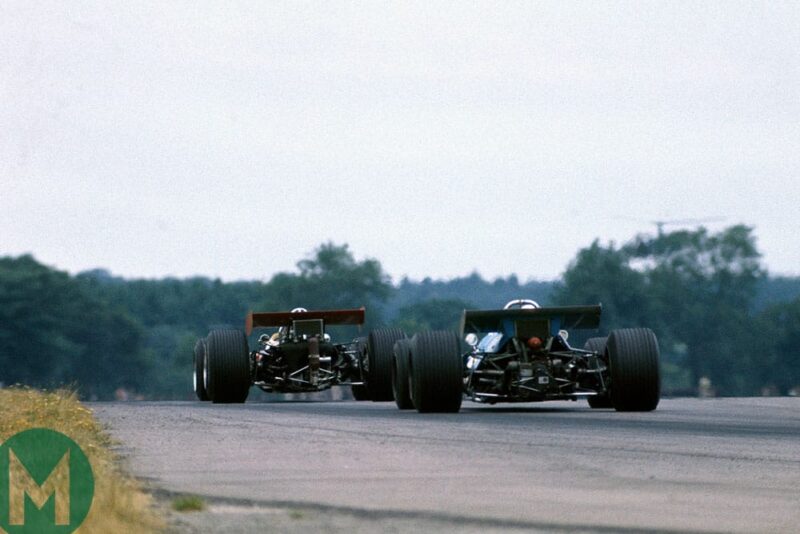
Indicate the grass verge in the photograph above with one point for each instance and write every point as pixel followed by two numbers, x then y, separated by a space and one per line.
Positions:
pixel 119 503
pixel 188 503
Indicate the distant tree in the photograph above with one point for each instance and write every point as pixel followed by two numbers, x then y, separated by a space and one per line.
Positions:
pixel 777 353
pixel 776 289
pixel 174 313
pixel 433 314
pixel 331 278
pixel 694 289
pixel 194 303
pixel 604 275
pixel 481 293
pixel 702 287
pixel 53 332
pixel 169 351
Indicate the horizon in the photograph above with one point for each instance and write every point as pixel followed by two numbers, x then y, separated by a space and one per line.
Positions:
pixel 395 280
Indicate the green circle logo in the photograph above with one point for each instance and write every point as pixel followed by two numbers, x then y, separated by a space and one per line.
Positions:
pixel 46 483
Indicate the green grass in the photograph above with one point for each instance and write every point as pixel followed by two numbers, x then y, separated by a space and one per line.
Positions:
pixel 188 503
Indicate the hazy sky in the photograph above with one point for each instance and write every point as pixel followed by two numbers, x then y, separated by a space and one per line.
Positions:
pixel 231 138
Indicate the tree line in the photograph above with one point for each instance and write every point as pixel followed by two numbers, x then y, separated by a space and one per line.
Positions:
pixel 716 311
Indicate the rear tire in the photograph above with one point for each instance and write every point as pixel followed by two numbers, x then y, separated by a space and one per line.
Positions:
pixel 436 371
pixel 598 344
pixel 400 386
pixel 635 378
pixel 199 364
pixel 360 392
pixel 227 366
pixel 379 354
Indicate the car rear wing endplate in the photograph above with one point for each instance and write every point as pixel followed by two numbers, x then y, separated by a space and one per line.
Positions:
pixel 508 321
pixel 330 317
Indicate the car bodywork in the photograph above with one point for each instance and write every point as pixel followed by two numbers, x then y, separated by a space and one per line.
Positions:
pixel 524 355
pixel 300 356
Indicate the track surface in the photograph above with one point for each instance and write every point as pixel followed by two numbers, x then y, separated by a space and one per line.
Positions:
pixel 725 465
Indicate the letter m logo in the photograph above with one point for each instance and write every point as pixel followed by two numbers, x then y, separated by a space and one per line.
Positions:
pixel 21 483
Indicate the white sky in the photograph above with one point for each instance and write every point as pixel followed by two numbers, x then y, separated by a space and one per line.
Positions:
pixel 231 138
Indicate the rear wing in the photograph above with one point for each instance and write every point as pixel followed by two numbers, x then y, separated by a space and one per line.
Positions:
pixel 265 319
pixel 527 322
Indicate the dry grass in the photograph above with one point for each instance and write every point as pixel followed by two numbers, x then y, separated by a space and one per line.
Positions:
pixel 119 503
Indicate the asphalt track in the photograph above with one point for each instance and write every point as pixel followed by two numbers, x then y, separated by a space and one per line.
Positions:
pixel 719 465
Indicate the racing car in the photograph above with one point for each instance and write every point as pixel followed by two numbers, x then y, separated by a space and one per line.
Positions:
pixel 523 355
pixel 298 357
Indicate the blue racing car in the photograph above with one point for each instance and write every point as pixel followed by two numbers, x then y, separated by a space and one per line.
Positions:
pixel 521 353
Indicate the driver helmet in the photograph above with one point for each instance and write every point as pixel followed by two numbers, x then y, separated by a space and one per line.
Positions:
pixel 524 304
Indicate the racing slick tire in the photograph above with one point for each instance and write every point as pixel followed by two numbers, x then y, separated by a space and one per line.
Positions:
pixel 379 355
pixel 633 361
pixel 400 386
pixel 198 375
pixel 598 344
pixel 360 391
pixel 436 370
pixel 227 366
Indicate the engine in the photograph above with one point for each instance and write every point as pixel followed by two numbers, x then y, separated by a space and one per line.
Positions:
pixel 290 362
pixel 528 370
